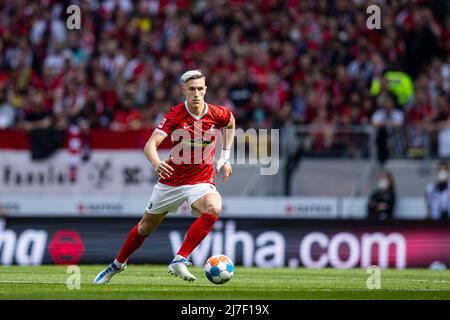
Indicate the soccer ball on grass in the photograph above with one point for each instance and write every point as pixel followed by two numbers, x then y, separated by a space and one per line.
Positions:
pixel 219 269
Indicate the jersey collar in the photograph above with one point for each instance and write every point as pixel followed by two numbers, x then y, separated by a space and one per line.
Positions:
pixel 195 116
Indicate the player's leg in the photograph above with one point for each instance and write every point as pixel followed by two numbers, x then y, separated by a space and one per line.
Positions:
pixel 209 205
pixel 163 199
pixel 135 238
pixel 137 235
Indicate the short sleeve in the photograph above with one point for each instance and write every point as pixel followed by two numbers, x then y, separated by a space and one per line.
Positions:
pixel 224 117
pixel 168 123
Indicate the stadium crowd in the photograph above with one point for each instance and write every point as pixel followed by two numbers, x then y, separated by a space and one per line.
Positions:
pixel 270 61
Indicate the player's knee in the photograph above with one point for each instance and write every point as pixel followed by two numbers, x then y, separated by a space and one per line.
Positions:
pixel 145 228
pixel 213 209
pixel 149 223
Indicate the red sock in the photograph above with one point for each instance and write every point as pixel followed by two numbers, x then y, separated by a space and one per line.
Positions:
pixel 196 233
pixel 134 241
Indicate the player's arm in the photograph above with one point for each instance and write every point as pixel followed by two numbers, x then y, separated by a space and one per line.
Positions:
pixel 162 168
pixel 228 137
pixel 227 143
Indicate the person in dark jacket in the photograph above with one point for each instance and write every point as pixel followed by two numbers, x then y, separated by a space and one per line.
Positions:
pixel 381 203
pixel 437 194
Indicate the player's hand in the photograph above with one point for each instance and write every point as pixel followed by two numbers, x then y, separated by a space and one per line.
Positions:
pixel 227 170
pixel 224 158
pixel 163 169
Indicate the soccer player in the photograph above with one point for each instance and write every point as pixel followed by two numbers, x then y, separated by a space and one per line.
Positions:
pixel 187 175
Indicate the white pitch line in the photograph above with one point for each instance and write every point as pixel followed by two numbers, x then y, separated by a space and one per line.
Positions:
pixel 246 290
pixel 385 279
pixel 27 282
pixel 310 290
pixel 310 280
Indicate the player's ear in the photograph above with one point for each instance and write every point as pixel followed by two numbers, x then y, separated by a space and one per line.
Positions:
pixel 182 90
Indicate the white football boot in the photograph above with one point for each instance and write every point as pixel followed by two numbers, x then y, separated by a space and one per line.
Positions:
pixel 178 267
pixel 106 274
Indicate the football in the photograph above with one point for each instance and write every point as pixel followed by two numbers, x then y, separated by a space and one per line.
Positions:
pixel 219 269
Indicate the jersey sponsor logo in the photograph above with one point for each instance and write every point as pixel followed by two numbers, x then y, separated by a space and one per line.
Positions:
pixel 196 143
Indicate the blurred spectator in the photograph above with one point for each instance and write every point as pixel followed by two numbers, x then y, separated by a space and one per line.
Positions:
pixel 298 101
pixel 422 33
pixel 259 56
pixel 240 92
pixel 94 113
pixel 7 112
pixel 437 194
pixel 439 126
pixel 3 216
pixel 381 204
pixel 416 117
pixel 321 134
pixel 36 115
pixel 389 121
pixel 397 83
pixel 126 117
pixel 46 134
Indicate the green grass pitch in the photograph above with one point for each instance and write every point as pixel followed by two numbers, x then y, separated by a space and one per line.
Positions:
pixel 153 282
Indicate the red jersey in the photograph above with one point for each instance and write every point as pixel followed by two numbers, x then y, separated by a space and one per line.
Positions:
pixel 193 142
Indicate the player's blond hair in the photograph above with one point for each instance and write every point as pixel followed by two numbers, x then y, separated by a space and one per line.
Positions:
pixel 191 74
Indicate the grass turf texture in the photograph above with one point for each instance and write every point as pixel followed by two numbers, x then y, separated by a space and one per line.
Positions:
pixel 153 282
